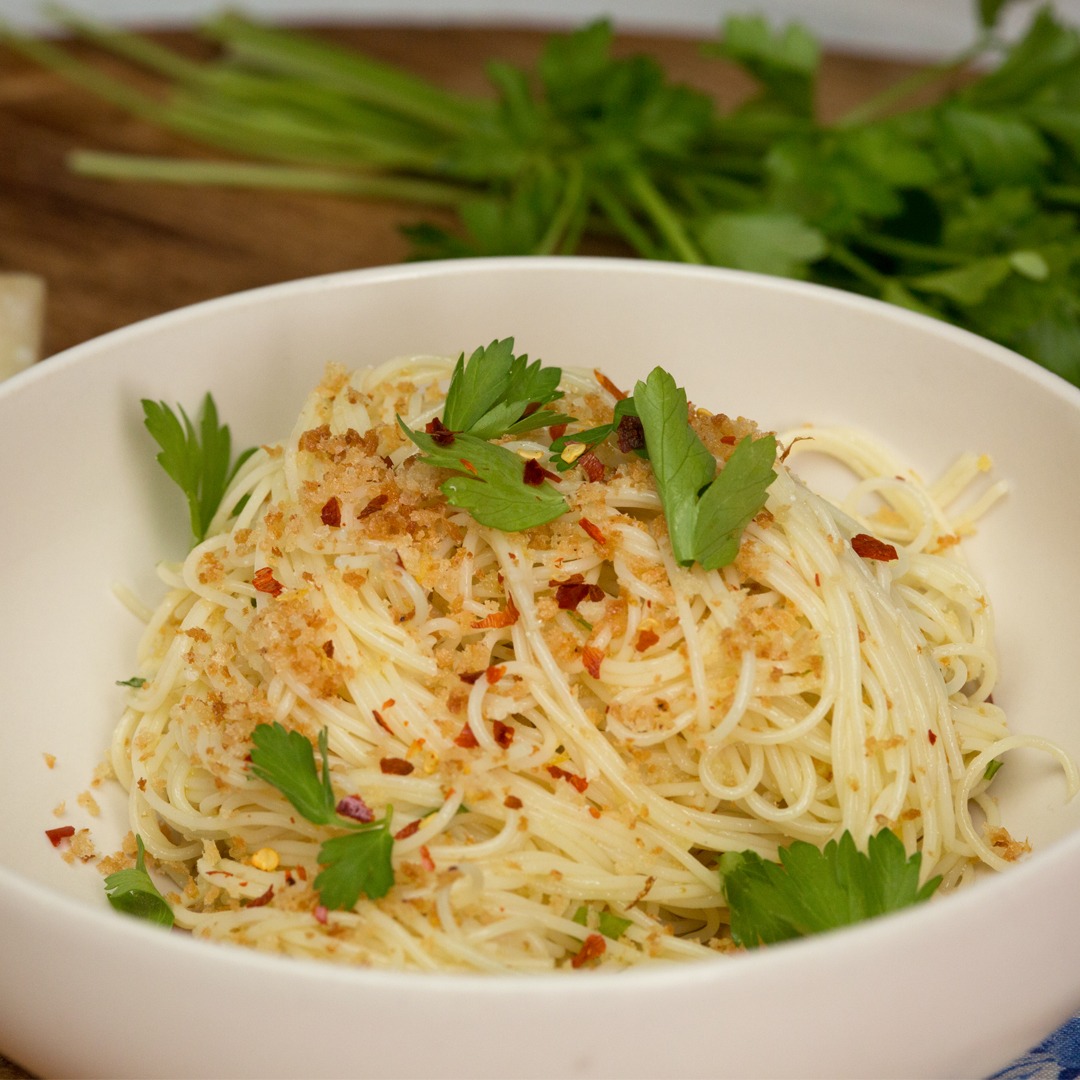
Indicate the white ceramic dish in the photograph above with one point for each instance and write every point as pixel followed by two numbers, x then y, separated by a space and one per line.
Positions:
pixel 953 988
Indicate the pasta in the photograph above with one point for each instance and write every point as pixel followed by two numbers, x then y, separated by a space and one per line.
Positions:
pixel 567 725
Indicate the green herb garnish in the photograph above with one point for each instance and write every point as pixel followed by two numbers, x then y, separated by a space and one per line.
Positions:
pixel 496 393
pixel 135 682
pixel 706 512
pixel 199 458
pixel 132 892
pixel 359 861
pixel 812 890
pixel 491 395
pixel 992 768
pixel 610 925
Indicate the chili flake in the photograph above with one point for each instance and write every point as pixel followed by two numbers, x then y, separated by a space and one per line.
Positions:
pixel 578 783
pixel 265 581
pixel 440 434
pixel 592 948
pixel 870 547
pixel 331 512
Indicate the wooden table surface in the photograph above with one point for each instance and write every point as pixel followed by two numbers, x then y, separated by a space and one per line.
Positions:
pixel 112 253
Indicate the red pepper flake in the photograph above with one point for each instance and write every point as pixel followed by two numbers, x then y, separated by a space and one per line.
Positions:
pixel 265 581
pixel 728 440
pixel 470 676
pixel 512 802
pixel 570 593
pixel 380 721
pixel 504 733
pixel 631 434
pixel 578 783
pixel 408 830
pixel 535 474
pixel 396 766
pixel 301 873
pixel 495 673
pixel 425 859
pixel 141 785
pixel 592 467
pixel 373 506
pixel 289 879
pixel 58 834
pixel 594 812
pixel 817 580
pixel 328 648
pixel 557 431
pixel 259 901
pixel 592 948
pixel 388 703
pixel 870 547
pixel 593 531
pixel 353 806
pixel 591 659
pixel 468 466
pixel 646 639
pixel 331 512
pixel 440 434
pixel 498 619
pixel 466 739
pixel 321 914
pixel 608 385
pixel 933 737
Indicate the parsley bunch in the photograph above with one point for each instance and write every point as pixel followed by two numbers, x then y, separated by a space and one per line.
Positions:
pixel 967 208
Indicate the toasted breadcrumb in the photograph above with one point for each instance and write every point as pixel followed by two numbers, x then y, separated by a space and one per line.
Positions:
pixel 1005 846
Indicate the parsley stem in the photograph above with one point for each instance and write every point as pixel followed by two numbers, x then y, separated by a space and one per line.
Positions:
pixel 569 207
pixel 624 222
pixel 920 80
pixel 666 221
pixel 1067 194
pixel 859 267
pixel 909 249
pixel 347 72
pixel 241 174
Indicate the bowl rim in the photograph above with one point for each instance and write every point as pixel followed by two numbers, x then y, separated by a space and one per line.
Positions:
pixel 993 890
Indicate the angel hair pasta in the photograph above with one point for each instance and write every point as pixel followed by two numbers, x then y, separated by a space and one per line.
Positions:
pixel 547 734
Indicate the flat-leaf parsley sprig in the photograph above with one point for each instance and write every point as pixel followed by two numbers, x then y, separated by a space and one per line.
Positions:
pixel 198 458
pixel 359 861
pixel 134 893
pixel 491 395
pixel 813 889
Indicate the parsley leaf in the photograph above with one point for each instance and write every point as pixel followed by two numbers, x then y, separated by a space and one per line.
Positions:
pixel 490 483
pixel 705 512
pixel 196 458
pixel 813 889
pixel 132 891
pixel 490 394
pixel 359 861
pixel 285 760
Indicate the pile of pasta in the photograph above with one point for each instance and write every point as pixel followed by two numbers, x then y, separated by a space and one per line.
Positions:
pixel 566 724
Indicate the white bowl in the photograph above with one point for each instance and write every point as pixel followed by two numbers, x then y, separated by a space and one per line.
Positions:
pixel 956 987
